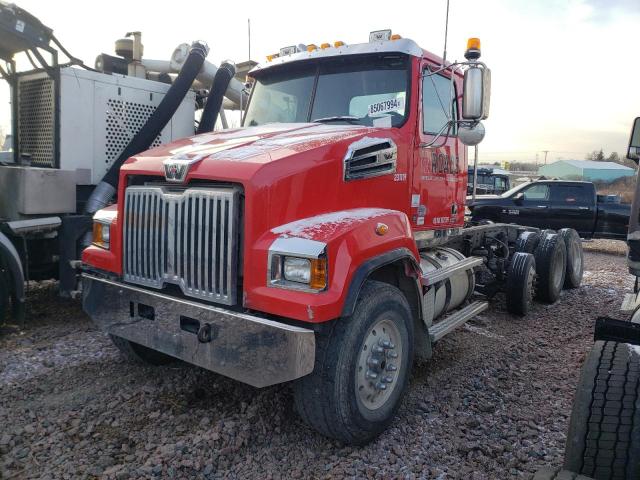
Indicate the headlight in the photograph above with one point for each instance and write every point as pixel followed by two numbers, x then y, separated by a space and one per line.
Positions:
pixel 298 264
pixel 101 234
pixel 297 269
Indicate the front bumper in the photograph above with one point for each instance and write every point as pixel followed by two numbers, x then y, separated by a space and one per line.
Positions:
pixel 244 347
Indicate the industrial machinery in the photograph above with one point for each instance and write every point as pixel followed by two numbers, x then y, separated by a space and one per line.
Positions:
pixel 324 243
pixel 72 125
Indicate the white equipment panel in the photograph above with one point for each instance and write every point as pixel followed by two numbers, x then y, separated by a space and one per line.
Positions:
pixel 85 125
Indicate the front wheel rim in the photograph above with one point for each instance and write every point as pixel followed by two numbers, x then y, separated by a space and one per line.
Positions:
pixel 379 364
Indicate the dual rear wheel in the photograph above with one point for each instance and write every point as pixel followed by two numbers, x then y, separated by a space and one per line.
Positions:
pixel 544 264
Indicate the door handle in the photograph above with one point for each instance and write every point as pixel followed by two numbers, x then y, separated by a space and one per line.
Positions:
pixel 542 206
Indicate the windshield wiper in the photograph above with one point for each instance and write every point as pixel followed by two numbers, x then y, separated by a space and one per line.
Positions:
pixel 338 118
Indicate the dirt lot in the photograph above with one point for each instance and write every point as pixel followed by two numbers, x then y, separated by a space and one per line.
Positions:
pixel 493 403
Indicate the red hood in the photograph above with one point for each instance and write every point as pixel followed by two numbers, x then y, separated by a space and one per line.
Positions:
pixel 237 154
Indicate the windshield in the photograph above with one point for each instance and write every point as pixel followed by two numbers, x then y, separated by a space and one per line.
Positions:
pixel 365 90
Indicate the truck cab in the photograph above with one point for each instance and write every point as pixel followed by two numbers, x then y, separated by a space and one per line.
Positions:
pixel 490 181
pixel 321 243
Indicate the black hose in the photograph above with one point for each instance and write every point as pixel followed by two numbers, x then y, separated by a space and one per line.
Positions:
pixel 103 193
pixel 73 59
pixel 219 87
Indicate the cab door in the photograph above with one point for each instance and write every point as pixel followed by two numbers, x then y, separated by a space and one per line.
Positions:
pixel 531 207
pixel 573 205
pixel 440 170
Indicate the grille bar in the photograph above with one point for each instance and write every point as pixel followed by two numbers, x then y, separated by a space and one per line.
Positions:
pixel 187 238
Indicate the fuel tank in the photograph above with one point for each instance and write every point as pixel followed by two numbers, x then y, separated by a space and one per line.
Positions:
pixel 450 293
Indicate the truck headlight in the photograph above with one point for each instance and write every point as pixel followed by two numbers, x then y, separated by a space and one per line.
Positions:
pixel 297 269
pixel 298 264
pixel 101 234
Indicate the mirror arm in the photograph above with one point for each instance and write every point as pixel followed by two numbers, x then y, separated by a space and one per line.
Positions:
pixel 437 137
pixel 454 66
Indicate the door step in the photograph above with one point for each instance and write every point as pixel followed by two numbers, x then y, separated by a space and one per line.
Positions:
pixel 456 319
pixel 434 277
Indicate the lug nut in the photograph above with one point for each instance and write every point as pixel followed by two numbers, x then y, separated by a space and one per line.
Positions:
pixel 373 362
pixel 381 386
pixel 393 355
pixel 371 375
pixel 391 367
pixel 377 349
pixel 387 379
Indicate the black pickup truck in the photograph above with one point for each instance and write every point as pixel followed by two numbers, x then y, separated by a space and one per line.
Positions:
pixel 556 204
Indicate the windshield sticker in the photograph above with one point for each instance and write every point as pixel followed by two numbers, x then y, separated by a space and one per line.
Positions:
pixel 386 106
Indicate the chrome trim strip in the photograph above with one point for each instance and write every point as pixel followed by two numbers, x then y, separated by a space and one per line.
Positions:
pixel 244 347
pixel 298 247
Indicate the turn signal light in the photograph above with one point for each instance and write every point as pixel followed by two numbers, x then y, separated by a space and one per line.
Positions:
pixel 318 279
pixel 382 229
pixel 101 234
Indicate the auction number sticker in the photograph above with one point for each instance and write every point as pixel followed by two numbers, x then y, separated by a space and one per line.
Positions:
pixel 386 106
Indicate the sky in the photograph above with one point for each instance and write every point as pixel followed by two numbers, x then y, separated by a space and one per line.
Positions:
pixel 563 71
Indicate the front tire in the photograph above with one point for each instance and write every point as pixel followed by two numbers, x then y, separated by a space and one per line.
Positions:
pixel 362 368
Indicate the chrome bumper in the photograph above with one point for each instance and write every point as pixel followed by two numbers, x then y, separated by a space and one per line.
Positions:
pixel 244 347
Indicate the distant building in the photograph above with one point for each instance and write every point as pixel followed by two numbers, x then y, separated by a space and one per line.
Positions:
pixel 586 170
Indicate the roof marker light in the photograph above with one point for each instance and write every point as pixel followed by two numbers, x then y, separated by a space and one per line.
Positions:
pixel 311 47
pixel 395 36
pixel 338 44
pixel 325 45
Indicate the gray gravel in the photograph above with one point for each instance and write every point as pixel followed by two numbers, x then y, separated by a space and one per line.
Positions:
pixel 493 403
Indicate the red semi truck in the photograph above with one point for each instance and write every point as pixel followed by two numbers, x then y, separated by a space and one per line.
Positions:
pixel 324 242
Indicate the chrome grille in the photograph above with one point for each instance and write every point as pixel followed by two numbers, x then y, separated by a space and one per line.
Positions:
pixel 187 238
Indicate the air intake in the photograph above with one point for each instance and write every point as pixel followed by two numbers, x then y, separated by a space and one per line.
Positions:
pixel 370 157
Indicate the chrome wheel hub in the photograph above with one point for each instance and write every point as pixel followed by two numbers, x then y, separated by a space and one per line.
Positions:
pixel 378 364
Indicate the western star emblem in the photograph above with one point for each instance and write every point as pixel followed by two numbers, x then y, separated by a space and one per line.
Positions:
pixel 177 167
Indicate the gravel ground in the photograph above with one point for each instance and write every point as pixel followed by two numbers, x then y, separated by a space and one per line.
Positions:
pixel 615 247
pixel 493 403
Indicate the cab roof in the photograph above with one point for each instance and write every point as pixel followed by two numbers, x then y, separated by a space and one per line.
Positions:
pixel 402 45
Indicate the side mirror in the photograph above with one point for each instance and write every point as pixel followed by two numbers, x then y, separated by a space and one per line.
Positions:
pixel 471 135
pixel 476 93
pixel 518 198
pixel 633 152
